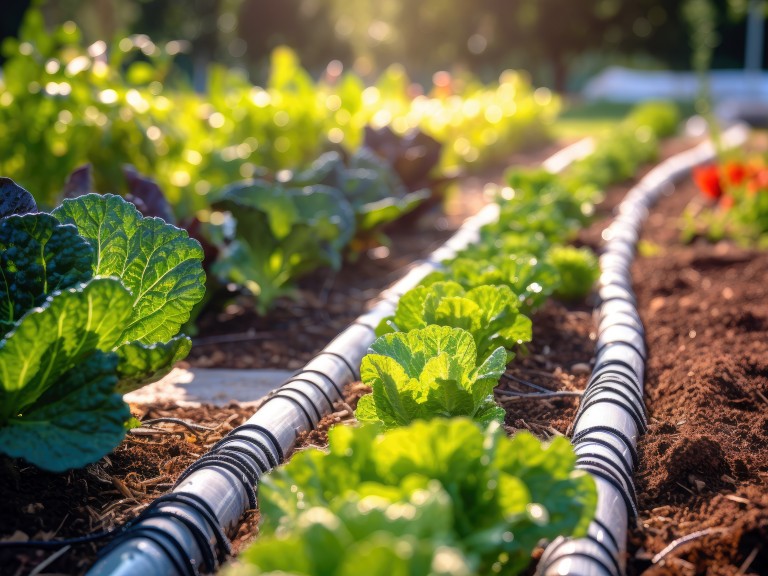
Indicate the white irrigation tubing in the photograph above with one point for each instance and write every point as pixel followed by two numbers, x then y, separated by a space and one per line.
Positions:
pixel 612 412
pixel 187 529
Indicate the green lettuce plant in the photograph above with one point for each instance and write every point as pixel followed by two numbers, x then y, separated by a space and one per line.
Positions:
pixel 531 278
pixel 404 535
pixel 578 269
pixel 489 313
pixel 429 373
pixel 281 233
pixel 93 296
pixel 504 495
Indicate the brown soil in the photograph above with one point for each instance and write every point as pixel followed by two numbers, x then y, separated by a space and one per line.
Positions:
pixel 704 461
pixel 37 505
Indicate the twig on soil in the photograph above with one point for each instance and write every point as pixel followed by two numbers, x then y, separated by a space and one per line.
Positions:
pixel 691 492
pixel 748 562
pixel 50 560
pixel 149 432
pixel 191 426
pixel 511 394
pixel 525 383
pixel 539 372
pixel 106 512
pixel 738 499
pixel 685 540
pixel 122 488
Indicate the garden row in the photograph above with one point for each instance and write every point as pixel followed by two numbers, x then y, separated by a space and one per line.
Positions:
pixel 447 345
pixel 126 103
pixel 123 110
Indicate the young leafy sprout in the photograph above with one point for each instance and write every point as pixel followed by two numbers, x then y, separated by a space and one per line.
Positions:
pixel 489 313
pixel 427 373
pixel 432 486
pixel 577 268
pixel 531 278
pixel 93 296
pixel 407 536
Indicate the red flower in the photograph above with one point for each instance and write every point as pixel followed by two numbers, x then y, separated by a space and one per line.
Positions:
pixel 708 181
pixel 735 173
pixel 726 203
pixel 759 181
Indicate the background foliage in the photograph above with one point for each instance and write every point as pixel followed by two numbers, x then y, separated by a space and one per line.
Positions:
pixel 558 41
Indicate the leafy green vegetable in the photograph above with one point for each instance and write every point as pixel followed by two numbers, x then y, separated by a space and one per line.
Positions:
pixel 156 261
pixel 372 187
pixel 406 537
pixel 489 313
pixel 427 373
pixel 68 337
pixel 531 278
pixel 577 268
pixel 140 364
pixel 58 406
pixel 104 108
pixel 281 234
pixel 37 256
pixel 505 494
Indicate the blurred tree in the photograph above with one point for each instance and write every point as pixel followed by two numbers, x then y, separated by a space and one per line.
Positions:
pixel 550 38
pixel 305 25
pixel 9 23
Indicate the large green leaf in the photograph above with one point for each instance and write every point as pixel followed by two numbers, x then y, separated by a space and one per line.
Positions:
pixel 374 214
pixel 37 256
pixel 427 373
pixel 58 406
pixel 500 505
pixel 157 262
pixel 140 364
pixel 77 421
pixel 395 395
pixel 49 341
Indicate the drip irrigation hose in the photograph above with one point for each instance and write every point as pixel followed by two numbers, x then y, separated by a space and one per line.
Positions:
pixel 227 477
pixel 612 414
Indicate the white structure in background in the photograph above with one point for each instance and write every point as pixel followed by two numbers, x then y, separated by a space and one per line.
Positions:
pixel 736 94
pixel 625 85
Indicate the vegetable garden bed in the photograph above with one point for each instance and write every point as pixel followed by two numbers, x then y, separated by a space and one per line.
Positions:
pixel 42 505
pixel 703 480
pixel 557 361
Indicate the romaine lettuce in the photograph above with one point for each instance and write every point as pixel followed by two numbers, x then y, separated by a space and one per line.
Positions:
pixel 429 373
pixel 489 313
pixel 505 494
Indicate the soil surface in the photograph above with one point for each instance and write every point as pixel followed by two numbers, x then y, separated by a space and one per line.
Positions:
pixel 704 461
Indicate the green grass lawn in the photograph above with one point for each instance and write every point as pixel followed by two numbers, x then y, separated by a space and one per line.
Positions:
pixel 581 119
